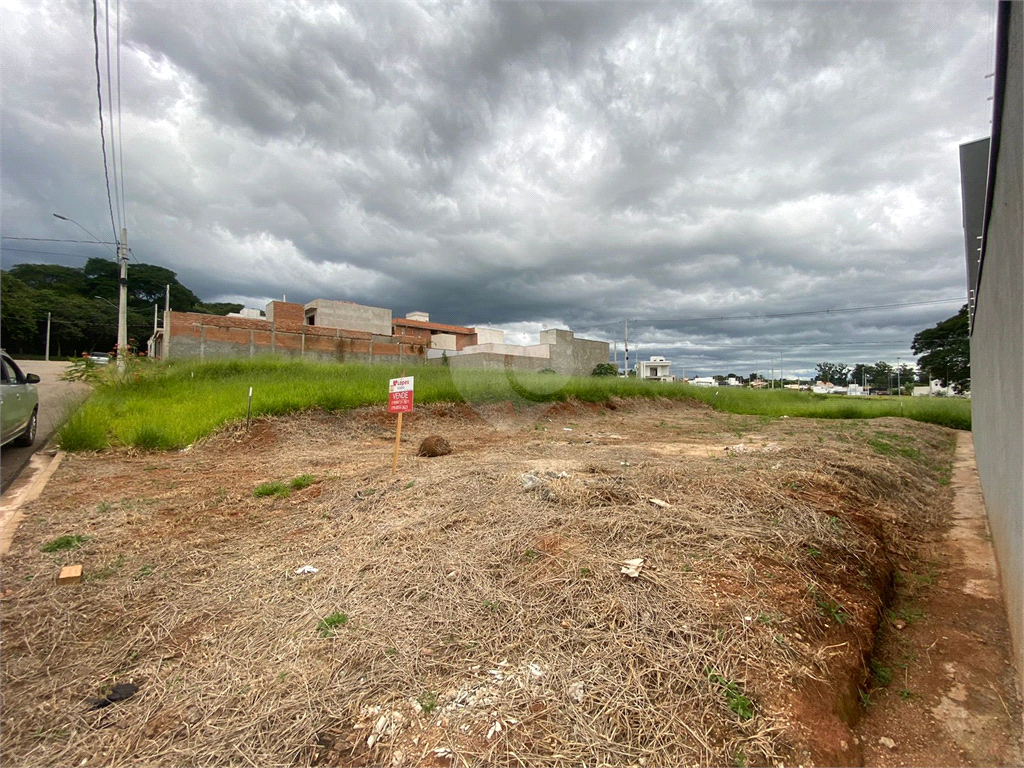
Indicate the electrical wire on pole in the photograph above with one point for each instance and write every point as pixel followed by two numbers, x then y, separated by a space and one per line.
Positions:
pixel 99 97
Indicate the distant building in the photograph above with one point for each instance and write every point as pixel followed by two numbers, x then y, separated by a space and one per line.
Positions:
pixel 655 369
pixel 704 381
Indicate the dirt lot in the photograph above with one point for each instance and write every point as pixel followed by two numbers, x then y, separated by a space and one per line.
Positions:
pixel 473 609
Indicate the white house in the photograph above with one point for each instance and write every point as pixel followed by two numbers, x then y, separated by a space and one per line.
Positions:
pixel 704 381
pixel 655 369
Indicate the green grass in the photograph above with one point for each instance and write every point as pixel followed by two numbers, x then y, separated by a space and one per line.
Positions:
pixel 275 488
pixel 63 542
pixel 171 405
pixel 328 624
pixel 302 481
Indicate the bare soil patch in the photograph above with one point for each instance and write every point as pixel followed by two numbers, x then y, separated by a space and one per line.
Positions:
pixel 471 609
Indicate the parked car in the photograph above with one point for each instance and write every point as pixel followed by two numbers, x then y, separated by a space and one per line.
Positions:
pixel 19 404
pixel 100 359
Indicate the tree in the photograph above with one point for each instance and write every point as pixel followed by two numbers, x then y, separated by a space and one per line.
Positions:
pixel 862 374
pixel 217 308
pixel 605 369
pixel 945 351
pixel 52 277
pixel 834 372
pixel 882 374
pixel 18 312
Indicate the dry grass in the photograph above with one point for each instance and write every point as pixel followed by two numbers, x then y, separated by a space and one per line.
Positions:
pixel 487 624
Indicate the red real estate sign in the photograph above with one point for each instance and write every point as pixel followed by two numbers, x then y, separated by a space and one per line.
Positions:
pixel 400 395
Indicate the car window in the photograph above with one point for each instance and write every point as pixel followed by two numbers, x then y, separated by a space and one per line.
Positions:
pixel 14 374
pixel 6 376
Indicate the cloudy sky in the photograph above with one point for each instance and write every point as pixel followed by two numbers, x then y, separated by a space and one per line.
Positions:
pixel 521 165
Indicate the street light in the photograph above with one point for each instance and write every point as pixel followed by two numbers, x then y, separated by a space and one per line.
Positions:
pixel 122 304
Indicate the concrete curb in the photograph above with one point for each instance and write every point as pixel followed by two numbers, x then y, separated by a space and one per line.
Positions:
pixel 41 468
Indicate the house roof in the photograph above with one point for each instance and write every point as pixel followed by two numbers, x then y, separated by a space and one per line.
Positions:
pixel 431 326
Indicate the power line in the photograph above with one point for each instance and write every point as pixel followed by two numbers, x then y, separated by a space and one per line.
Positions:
pixel 110 111
pixel 826 311
pixel 120 134
pixel 99 96
pixel 790 314
pixel 48 253
pixel 57 240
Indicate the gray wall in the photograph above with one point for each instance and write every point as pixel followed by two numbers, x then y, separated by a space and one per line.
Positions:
pixel 349 316
pixel 997 351
pixel 572 356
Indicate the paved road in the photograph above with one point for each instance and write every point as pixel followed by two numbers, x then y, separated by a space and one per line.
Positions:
pixel 56 400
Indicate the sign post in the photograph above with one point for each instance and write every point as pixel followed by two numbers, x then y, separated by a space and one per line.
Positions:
pixel 400 395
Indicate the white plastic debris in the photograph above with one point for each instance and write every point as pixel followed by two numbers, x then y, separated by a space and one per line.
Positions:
pixel 575 692
pixel 632 567
pixel 659 503
pixel 567 429
pixel 306 569
pixel 495 729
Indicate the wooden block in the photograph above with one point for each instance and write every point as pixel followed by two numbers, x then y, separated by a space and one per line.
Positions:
pixel 70 574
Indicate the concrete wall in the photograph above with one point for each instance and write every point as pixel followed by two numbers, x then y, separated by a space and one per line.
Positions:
pixel 997 352
pixel 572 356
pixel 348 316
pixel 489 336
pixel 444 341
pixel 559 350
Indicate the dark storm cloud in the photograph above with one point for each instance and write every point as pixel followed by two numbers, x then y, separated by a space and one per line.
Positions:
pixel 516 163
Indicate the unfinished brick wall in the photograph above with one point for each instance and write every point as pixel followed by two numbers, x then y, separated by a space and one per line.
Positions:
pixel 194 335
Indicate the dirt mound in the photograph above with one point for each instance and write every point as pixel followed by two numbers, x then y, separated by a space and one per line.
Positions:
pixel 434 446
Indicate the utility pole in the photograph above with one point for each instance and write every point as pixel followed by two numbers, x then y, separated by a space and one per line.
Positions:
pixel 625 363
pixel 47 337
pixel 122 301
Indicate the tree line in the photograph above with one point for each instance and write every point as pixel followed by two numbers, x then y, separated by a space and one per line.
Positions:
pixel 945 355
pixel 82 302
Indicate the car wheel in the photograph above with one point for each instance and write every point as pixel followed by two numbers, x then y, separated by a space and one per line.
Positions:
pixel 29 435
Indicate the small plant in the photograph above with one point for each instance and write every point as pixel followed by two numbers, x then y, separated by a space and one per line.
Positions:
pixel 813 551
pixel 740 704
pixel 328 624
pixel 275 488
pixel 865 698
pixel 408 485
pixel 108 570
pixel 143 572
pixel 491 605
pixel 102 507
pixel 302 481
pixel 906 693
pixel 390 651
pixel 530 555
pixel 829 608
pixel 427 701
pixel 63 542
pixel 881 674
